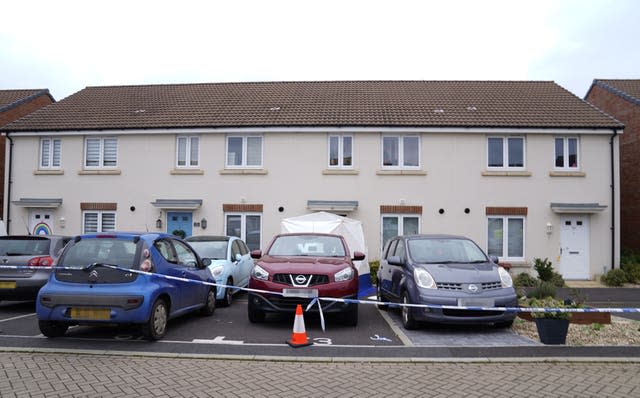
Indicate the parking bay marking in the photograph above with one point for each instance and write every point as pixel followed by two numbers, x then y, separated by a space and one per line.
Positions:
pixel 17 317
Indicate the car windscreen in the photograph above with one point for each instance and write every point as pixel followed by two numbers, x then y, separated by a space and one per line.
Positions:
pixel 24 246
pixel 307 245
pixel 215 250
pixel 86 251
pixel 445 251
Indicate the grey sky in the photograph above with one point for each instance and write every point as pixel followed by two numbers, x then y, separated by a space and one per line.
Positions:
pixel 68 45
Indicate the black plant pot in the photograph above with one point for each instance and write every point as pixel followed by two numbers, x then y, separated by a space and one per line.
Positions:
pixel 552 330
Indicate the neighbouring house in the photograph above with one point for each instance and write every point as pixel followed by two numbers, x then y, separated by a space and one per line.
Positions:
pixel 621 99
pixel 525 168
pixel 15 104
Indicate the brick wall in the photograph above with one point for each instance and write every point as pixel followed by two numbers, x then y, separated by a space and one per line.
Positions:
pixel 628 113
pixel 9 116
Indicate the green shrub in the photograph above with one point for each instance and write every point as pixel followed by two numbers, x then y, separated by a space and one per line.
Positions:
pixel 615 277
pixel 632 270
pixel 544 269
pixel 542 290
pixel 523 279
pixel 373 269
pixel 556 280
pixel 549 302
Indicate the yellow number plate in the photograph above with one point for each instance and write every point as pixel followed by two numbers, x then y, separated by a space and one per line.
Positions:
pixel 99 314
pixel 7 284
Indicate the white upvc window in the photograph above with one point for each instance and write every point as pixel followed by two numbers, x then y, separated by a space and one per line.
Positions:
pixel 566 154
pixel 244 151
pixel 506 237
pixel 101 152
pixel 246 226
pixel 401 151
pixel 187 151
pixel 505 153
pixel 340 151
pixel 98 221
pixel 398 224
pixel 50 153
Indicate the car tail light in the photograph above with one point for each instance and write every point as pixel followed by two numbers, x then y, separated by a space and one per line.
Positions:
pixel 147 265
pixel 44 261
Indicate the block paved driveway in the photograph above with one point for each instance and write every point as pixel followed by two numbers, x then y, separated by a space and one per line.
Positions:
pixel 57 375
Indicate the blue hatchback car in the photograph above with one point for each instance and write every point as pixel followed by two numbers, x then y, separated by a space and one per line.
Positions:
pixel 84 289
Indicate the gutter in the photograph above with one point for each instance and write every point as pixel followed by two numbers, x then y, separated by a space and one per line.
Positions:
pixel 613 201
pixel 8 215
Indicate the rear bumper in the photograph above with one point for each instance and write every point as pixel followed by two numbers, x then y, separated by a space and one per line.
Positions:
pixel 25 288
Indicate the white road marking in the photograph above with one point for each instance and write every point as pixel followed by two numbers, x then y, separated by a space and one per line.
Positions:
pixel 403 337
pixel 17 317
pixel 218 340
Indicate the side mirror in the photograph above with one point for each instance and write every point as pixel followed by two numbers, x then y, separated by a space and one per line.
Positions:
pixel 395 260
pixel 358 256
pixel 256 254
pixel 206 262
pixel 494 259
pixel 238 257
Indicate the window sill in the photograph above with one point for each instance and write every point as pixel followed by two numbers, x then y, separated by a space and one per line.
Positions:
pixel 100 172
pixel 186 172
pixel 567 174
pixel 244 172
pixel 340 172
pixel 506 173
pixel 48 172
pixel 401 172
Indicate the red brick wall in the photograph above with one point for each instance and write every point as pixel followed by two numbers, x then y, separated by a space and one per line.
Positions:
pixel 9 116
pixel 628 113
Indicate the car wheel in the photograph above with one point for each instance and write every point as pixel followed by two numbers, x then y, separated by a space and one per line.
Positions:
pixel 52 329
pixel 156 326
pixel 228 294
pixel 255 315
pixel 209 305
pixel 408 321
pixel 503 325
pixel 381 298
pixel 350 316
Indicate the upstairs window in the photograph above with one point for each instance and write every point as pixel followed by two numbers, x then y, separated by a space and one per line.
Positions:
pixel 341 151
pixel 101 152
pixel 401 151
pixel 50 153
pixel 566 153
pixel 505 153
pixel 245 151
pixel 188 152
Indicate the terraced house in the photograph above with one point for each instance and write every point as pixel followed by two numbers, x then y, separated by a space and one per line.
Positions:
pixel 526 169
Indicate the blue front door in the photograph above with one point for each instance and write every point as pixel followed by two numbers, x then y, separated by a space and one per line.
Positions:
pixel 178 221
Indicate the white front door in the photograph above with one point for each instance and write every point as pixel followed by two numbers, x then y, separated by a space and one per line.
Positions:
pixel 40 222
pixel 574 247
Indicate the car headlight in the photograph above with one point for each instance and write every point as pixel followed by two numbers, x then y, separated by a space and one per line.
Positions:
pixel 505 278
pixel 259 273
pixel 424 279
pixel 344 275
pixel 217 270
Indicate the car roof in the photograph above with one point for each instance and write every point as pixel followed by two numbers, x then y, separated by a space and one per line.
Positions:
pixel 120 234
pixel 433 236
pixel 308 234
pixel 210 238
pixel 7 237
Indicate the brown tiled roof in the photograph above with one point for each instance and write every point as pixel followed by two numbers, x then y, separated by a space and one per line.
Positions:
pixel 10 98
pixel 626 88
pixel 541 104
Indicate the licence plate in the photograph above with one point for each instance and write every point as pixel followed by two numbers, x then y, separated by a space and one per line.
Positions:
pixel 98 314
pixel 304 293
pixel 7 284
pixel 478 302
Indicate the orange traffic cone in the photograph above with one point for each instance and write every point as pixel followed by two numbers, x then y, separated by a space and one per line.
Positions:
pixel 299 335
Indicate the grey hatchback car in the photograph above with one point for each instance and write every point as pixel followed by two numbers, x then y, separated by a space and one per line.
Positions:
pixel 36 251
pixel 444 270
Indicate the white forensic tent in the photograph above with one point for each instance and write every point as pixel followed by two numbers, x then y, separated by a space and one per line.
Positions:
pixel 329 223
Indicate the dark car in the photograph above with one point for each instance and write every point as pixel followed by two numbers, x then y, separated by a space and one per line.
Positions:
pixel 444 270
pixel 303 266
pixel 85 288
pixel 38 252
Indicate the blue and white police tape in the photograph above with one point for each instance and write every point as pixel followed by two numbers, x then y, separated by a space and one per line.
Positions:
pixel 317 300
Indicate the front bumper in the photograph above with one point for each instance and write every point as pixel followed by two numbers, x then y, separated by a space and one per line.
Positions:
pixel 278 304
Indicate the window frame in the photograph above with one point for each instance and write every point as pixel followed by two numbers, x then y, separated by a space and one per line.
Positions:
pixel 243 164
pixel 341 138
pixel 505 153
pixel 400 218
pixel 401 155
pixel 100 214
pixel 187 156
pixel 565 153
pixel 505 237
pixel 243 226
pixel 101 152
pixel 50 153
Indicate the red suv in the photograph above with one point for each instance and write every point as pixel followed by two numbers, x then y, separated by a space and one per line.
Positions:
pixel 302 266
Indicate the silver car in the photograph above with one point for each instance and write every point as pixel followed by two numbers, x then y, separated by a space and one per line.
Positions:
pixel 39 252
pixel 444 270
